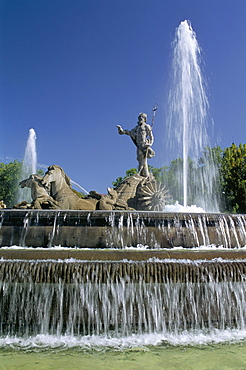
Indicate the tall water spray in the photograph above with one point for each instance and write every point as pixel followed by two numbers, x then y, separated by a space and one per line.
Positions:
pixel 29 165
pixel 188 118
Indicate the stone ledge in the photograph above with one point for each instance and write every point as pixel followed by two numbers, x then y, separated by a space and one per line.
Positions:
pixel 118 255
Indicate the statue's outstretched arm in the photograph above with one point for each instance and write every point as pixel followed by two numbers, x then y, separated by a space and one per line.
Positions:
pixel 121 131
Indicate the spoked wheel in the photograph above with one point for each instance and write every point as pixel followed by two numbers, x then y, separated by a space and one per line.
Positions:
pixel 153 196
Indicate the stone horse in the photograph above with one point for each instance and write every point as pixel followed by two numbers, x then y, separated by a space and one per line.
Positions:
pixel 40 196
pixel 61 191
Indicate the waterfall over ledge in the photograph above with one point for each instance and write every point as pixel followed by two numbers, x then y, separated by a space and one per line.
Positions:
pixel 120 229
pixel 120 274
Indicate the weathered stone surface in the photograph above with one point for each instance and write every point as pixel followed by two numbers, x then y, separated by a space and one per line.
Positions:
pixel 119 229
pixel 119 255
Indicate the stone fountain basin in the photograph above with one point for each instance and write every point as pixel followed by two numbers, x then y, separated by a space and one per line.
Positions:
pixel 120 229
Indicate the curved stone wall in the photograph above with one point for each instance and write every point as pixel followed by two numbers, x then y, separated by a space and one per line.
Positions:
pixel 120 229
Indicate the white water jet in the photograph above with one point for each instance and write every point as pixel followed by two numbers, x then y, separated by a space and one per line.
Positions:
pixel 79 186
pixel 30 156
pixel 188 118
pixel 29 165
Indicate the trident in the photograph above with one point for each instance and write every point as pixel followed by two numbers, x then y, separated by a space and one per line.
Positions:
pixel 154 109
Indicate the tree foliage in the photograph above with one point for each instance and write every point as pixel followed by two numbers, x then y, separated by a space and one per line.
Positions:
pixel 9 182
pixel 233 171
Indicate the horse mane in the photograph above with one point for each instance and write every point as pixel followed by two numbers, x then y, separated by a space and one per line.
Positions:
pixel 36 178
pixel 67 179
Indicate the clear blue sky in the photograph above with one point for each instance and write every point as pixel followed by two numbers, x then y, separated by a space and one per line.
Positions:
pixel 73 69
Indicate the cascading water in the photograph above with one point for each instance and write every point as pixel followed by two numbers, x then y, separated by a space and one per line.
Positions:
pixel 47 296
pixel 121 298
pixel 29 165
pixel 187 121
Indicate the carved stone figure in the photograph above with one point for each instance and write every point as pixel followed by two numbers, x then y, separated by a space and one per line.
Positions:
pixel 142 193
pixel 41 198
pixel 127 190
pixel 23 205
pixel 110 201
pixel 2 205
pixel 53 191
pixel 143 138
pixel 61 191
pixel 107 202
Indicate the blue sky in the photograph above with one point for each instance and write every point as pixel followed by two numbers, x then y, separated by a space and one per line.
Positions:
pixel 74 69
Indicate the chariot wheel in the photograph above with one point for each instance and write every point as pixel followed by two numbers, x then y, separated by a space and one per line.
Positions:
pixel 153 196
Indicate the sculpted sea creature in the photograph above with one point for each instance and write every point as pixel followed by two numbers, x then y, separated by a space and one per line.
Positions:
pixel 108 201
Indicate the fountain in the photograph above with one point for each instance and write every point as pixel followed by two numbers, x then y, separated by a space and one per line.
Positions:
pixel 107 265
pixel 29 164
pixel 188 118
pixel 111 270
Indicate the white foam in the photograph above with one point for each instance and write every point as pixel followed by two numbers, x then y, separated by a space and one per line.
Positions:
pixel 177 208
pixel 100 342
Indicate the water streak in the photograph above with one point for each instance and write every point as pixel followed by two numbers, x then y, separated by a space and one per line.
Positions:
pixel 29 165
pixel 187 120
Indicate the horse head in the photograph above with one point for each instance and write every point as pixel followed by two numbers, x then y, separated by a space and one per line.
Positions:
pixel 54 174
pixel 29 181
pixel 50 176
pixel 57 179
pixel 24 183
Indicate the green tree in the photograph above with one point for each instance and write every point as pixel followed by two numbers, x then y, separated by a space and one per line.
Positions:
pixel 9 182
pixel 233 171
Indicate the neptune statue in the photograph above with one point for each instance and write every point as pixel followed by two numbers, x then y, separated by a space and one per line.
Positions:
pixel 143 138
